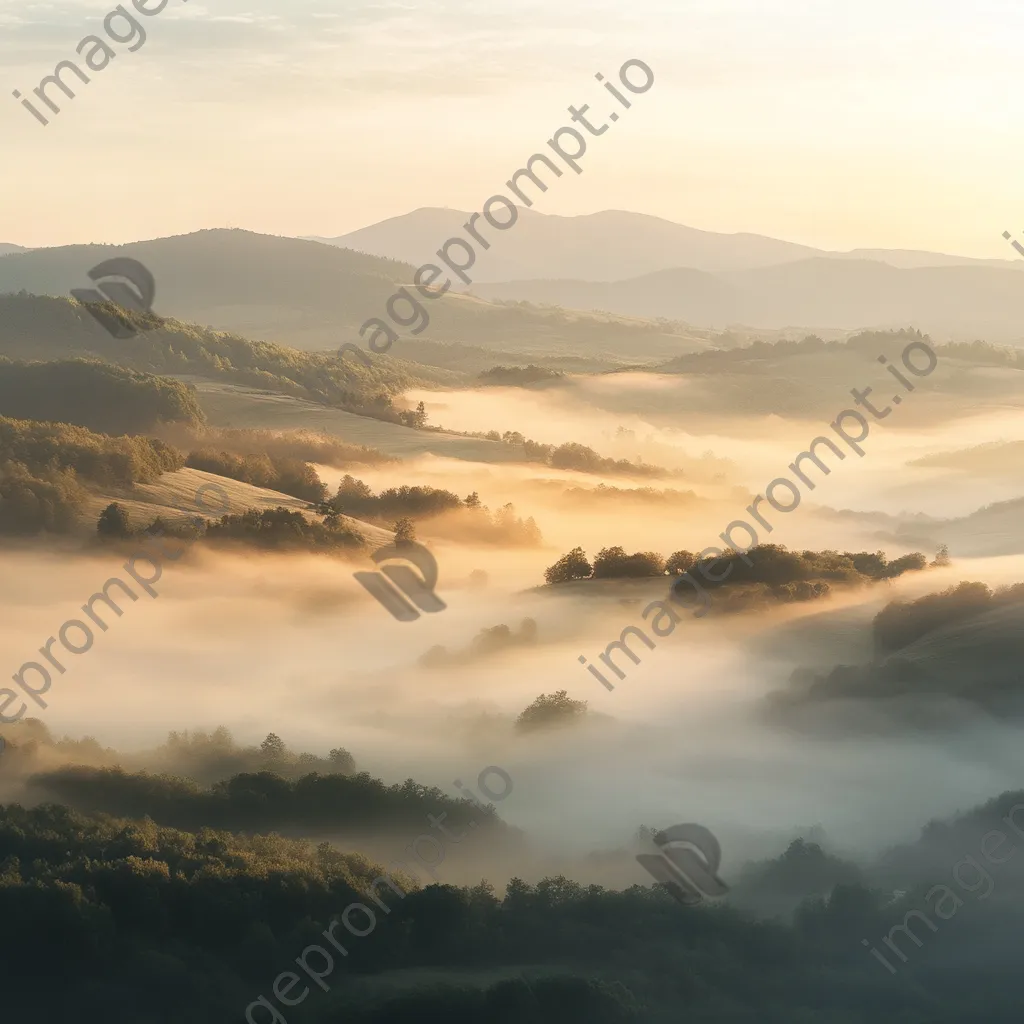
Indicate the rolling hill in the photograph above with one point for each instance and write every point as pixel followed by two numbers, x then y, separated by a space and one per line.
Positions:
pixel 41 327
pixel 975 660
pixel 315 297
pixel 173 497
pixel 963 302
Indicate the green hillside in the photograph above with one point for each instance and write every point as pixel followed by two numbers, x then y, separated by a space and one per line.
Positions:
pixel 41 327
pixel 96 395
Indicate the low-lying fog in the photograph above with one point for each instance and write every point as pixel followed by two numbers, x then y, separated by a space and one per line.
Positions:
pixel 759 448
pixel 293 645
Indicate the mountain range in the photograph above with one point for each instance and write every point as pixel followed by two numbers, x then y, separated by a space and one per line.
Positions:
pixel 609 246
pixel 307 294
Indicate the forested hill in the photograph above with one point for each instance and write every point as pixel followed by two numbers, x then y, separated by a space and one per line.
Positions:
pixel 103 398
pixel 41 327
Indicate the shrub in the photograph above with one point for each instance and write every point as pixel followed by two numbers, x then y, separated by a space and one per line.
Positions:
pixel 113 522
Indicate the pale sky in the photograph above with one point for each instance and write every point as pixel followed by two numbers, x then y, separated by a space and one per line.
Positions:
pixel 879 123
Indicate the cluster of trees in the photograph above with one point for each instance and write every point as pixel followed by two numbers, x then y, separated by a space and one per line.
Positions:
pixel 551 709
pixel 770 564
pixel 104 398
pixel 283 529
pixel 465 518
pixel 272 529
pixel 30 325
pixel 97 458
pixel 902 622
pixel 356 498
pixel 519 376
pixel 45 500
pixel 209 756
pixel 572 456
pixel 205 757
pixel 278 473
pixel 44 466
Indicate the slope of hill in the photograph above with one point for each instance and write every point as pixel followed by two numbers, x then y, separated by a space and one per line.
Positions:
pixel 312 296
pixel 231 405
pixel 612 245
pixel 952 301
pixel 804 380
pixel 49 328
pixel 212 270
pixel 993 530
pixel 974 660
pixel 173 497
pixel 6 247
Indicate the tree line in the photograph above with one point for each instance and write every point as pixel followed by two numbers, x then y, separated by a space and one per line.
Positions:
pixel 769 564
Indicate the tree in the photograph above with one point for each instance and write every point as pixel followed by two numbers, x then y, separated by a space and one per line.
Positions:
pixel 273 748
pixel 942 558
pixel 680 562
pixel 342 761
pixel 573 566
pixel 113 523
pixel 551 709
pixel 405 531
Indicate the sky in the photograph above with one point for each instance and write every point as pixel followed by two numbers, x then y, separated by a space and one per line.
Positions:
pixel 891 124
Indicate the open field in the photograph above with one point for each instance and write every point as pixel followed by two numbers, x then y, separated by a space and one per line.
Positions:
pixel 231 405
pixel 174 498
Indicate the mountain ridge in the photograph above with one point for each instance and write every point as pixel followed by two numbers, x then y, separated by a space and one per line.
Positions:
pixel 610 245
